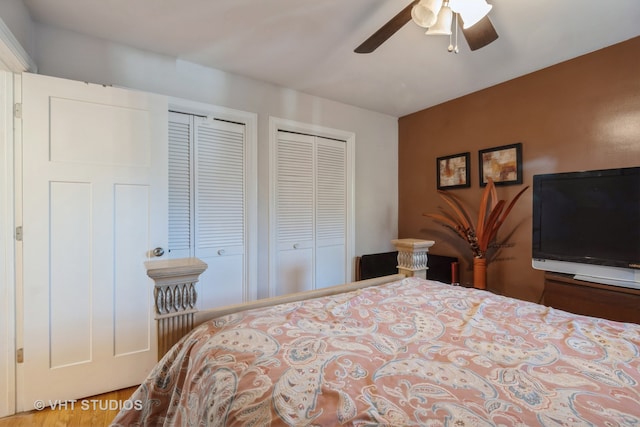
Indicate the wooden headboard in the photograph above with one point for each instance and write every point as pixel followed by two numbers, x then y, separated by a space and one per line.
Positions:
pixel 385 263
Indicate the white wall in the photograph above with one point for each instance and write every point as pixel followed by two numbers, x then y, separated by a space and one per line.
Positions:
pixel 70 55
pixel 16 17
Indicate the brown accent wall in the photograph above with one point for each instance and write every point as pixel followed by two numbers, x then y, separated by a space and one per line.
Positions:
pixel 578 115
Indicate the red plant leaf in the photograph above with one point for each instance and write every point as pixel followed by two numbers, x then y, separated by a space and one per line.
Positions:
pixel 448 221
pixel 511 205
pixel 494 194
pixel 487 196
pixel 491 216
pixel 491 227
pixel 461 214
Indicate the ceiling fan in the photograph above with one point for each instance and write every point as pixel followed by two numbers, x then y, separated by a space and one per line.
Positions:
pixel 438 16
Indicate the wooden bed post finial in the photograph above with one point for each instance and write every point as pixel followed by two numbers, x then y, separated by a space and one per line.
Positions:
pixel 412 256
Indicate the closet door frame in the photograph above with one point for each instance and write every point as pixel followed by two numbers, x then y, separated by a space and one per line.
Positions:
pixel 250 121
pixel 278 124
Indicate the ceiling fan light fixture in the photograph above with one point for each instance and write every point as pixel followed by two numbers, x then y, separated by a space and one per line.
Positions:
pixel 422 13
pixel 443 24
pixel 471 11
pixel 425 13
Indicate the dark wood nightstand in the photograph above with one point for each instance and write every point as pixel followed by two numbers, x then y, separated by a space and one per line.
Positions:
pixel 563 292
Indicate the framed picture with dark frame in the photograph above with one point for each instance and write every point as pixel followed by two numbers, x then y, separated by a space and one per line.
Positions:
pixel 502 164
pixel 453 171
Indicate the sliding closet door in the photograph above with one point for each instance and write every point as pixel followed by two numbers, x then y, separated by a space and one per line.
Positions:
pixel 207 204
pixel 310 212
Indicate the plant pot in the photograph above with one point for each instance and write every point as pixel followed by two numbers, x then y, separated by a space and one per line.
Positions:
pixel 480 273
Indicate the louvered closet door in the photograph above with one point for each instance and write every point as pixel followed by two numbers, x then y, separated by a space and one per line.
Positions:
pixel 331 212
pixel 220 210
pixel 181 227
pixel 294 205
pixel 311 213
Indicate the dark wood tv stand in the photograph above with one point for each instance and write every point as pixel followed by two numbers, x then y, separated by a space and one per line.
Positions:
pixel 563 292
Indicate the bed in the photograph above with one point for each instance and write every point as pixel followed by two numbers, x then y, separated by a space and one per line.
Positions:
pixel 406 352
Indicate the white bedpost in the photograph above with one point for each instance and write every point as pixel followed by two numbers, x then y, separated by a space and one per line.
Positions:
pixel 412 256
pixel 175 297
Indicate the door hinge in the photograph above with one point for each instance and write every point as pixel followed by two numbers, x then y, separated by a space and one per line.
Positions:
pixel 19 233
pixel 20 355
pixel 17 110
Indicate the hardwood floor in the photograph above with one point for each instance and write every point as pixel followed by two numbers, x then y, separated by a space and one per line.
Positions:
pixel 85 412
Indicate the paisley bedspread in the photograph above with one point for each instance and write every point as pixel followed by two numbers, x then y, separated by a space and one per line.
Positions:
pixel 412 352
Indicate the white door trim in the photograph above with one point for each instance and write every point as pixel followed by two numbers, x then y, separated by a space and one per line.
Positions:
pixel 7 250
pixel 276 124
pixel 13 59
pixel 250 120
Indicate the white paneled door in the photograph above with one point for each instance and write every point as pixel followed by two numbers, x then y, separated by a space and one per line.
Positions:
pixel 94 206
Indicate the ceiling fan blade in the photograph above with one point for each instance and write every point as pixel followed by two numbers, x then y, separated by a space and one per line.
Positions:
pixel 481 34
pixel 386 31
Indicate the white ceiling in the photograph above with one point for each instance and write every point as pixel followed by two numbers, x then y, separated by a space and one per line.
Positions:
pixel 308 45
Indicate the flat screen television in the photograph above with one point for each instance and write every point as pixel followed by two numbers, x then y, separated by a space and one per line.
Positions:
pixel 588 224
